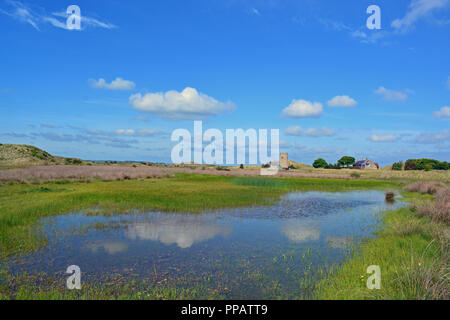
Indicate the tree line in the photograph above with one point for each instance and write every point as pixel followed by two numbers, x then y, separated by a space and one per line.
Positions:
pixel 421 164
pixel 344 162
pixel 411 164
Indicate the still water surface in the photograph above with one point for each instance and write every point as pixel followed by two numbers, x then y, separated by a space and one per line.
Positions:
pixel 255 252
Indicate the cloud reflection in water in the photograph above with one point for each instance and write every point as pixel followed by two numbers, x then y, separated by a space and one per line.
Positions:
pixel 183 230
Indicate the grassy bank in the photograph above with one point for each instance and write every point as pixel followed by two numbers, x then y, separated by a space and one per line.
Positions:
pixel 411 250
pixel 22 205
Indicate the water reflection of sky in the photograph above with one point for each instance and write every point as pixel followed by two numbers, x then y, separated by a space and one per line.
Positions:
pixel 325 224
pixel 180 229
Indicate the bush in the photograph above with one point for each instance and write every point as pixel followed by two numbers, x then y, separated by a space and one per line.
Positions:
pixel 426 164
pixel 398 166
pixel 70 161
pixel 320 163
pixel 333 166
pixel 241 166
pixel 222 168
pixel 266 165
pixel 355 175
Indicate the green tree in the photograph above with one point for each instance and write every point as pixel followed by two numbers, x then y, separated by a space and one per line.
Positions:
pixel 346 161
pixel 397 166
pixel 320 163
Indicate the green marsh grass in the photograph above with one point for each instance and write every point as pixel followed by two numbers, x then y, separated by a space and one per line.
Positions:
pixel 412 253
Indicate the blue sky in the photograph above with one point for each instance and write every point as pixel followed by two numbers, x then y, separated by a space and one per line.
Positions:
pixel 116 89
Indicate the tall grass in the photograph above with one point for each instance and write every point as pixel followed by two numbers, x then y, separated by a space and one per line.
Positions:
pixel 412 251
pixel 425 187
pixel 423 279
pixel 439 209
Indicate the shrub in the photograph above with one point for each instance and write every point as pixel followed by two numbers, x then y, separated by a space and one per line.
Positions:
pixel 222 168
pixel 426 164
pixel 73 161
pixel 333 166
pixel 241 166
pixel 389 195
pixel 355 175
pixel 397 166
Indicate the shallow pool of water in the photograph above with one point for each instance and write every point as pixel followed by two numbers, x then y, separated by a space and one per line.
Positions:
pixel 256 252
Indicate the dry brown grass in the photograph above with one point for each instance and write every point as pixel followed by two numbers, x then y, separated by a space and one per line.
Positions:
pixel 109 173
pixel 125 171
pixel 426 187
pixel 400 176
pixel 439 209
pixel 81 173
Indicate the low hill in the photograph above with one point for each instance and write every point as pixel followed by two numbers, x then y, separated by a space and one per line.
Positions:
pixel 298 165
pixel 18 155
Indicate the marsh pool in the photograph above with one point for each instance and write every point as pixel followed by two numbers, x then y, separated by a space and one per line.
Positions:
pixel 263 252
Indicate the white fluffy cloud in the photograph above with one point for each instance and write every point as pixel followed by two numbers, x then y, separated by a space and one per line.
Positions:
pixel 385 138
pixel 444 112
pixel 311 132
pixel 117 84
pixel 303 109
pixel 417 10
pixel 342 101
pixel 187 104
pixel 391 94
